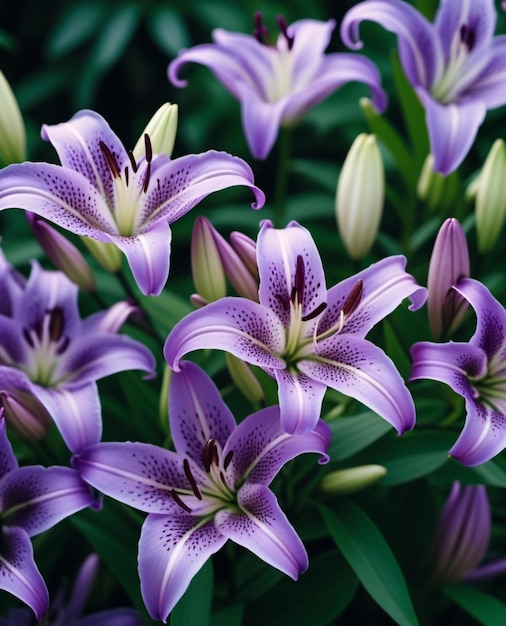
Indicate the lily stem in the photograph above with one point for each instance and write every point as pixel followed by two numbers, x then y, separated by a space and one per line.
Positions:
pixel 282 172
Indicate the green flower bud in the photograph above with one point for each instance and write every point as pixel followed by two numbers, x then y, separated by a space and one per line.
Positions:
pixel 352 479
pixel 12 128
pixel 207 268
pixel 107 254
pixel 161 128
pixel 244 379
pixel 360 196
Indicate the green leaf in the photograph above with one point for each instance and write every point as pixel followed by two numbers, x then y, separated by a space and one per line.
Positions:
pixel 194 608
pixel 168 30
pixel 316 599
pixel 231 616
pixel 77 23
pixel 482 606
pixel 395 350
pixel 352 434
pixel 366 550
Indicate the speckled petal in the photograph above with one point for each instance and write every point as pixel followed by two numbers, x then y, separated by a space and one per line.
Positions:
pixel 138 474
pixel 76 412
pixel 490 333
pixel 300 401
pixel 243 327
pixel 385 285
pixel 361 370
pixel 182 183
pixel 19 574
pixel 197 412
pixel 172 549
pixel 277 252
pixel 36 498
pixel 263 528
pixel 260 447
pixel 60 195
pixel 77 143
pixel 148 255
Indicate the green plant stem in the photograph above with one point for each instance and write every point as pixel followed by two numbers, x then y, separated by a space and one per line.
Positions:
pixel 282 172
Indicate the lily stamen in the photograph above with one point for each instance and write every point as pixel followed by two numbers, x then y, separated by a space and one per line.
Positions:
pixel 178 501
pixel 191 479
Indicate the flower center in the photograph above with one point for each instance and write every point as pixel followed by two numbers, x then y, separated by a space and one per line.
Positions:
pixel 129 185
pixel 451 82
pixel 491 387
pixel 46 343
pixel 217 492
pixel 281 82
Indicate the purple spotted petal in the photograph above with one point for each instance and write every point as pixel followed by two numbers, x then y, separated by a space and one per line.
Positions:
pixel 19 574
pixel 91 357
pixel 245 328
pixel 8 461
pixel 197 412
pixel 300 401
pixel 452 129
pixel 385 285
pixel 361 370
pixel 148 256
pixel 277 253
pixel 420 51
pixel 263 528
pixel 61 195
pixel 77 143
pixel 490 333
pixel 36 498
pixel 76 412
pixel 260 447
pixel 172 549
pixel 138 474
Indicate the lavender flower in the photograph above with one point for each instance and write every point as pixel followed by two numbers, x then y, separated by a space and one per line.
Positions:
pixel 48 352
pixel 476 371
pixel 100 191
pixel 214 488
pixel 455 65
pixel 306 337
pixel 67 611
pixel 276 84
pixel 32 500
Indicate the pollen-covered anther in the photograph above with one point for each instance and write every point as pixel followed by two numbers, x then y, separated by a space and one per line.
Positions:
pixel 110 159
pixel 283 27
pixel 178 501
pixel 467 36
pixel 209 454
pixel 260 32
pixel 55 323
pixel 191 479
pixel 353 299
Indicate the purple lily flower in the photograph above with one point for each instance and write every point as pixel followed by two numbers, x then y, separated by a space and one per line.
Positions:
pixel 100 191
pixel 32 500
pixel 277 84
pixel 455 65
pixel 306 337
pixel 67 611
pixel 476 371
pixel 214 488
pixel 48 352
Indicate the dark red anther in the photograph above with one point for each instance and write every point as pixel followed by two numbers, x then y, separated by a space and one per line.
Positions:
pixel 283 27
pixel 227 459
pixel 178 501
pixel 298 283
pixel 260 32
pixel 191 479
pixel 110 159
pixel 353 299
pixel 127 175
pixel 208 452
pixel 149 149
pixel 55 323
pixel 319 309
pixel 147 176
pixel 133 162
pixel 467 36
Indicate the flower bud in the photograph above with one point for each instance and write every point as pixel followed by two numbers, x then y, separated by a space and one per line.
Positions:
pixel 360 195
pixel 107 254
pixel 161 128
pixel 490 204
pixel 448 263
pixel 439 192
pixel 246 248
pixel 207 269
pixel 25 414
pixel 244 379
pixel 64 255
pixel 238 273
pixel 352 479
pixel 12 128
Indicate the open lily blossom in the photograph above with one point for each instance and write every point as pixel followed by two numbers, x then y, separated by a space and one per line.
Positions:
pixel 100 191
pixel 276 83
pixel 48 352
pixel 32 500
pixel 213 488
pixel 308 337
pixel 475 370
pixel 455 65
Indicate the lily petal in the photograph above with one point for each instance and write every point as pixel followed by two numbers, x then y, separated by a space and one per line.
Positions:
pixel 300 401
pixel 263 528
pixel 243 327
pixel 19 574
pixel 260 446
pixel 361 370
pixel 261 121
pixel 197 412
pixel 172 549
pixel 36 498
pixel 8 461
pixel 489 86
pixel 110 320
